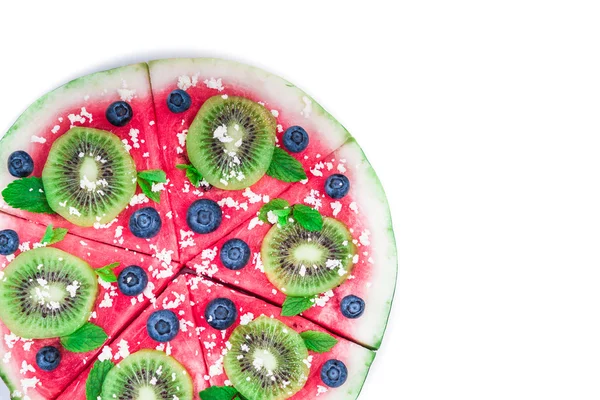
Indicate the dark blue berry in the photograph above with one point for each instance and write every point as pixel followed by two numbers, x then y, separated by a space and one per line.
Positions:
pixel 145 223
pixel 20 164
pixel 119 113
pixel 220 313
pixel 352 306
pixel 163 325
pixel 235 254
pixel 9 242
pixel 204 216
pixel 179 101
pixel 334 373
pixel 132 280
pixel 48 358
pixel 295 139
pixel 337 186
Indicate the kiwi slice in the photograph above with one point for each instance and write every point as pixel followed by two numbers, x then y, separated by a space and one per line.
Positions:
pixel 267 360
pixel 148 374
pixel 301 263
pixel 47 293
pixel 231 141
pixel 89 177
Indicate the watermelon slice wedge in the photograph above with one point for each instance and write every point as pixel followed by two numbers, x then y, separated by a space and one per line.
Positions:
pixel 185 347
pixel 112 312
pixel 215 343
pixel 83 102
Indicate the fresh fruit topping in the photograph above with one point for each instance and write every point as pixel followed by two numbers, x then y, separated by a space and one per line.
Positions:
pixel 27 194
pixel 148 374
pixel 9 242
pixel 20 164
pixel 48 358
pixel 285 168
pixel 89 177
pixel 163 325
pixel 220 313
pixel 119 113
pixel 235 254
pixel 337 186
pixel 267 360
pixel 231 141
pixel 204 216
pixel 145 223
pixel 301 263
pixel 179 101
pixel 334 373
pixel 352 306
pixel 132 280
pixel 295 139
pixel 47 293
pixel 87 338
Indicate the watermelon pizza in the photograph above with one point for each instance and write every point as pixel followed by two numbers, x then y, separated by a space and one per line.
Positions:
pixel 189 229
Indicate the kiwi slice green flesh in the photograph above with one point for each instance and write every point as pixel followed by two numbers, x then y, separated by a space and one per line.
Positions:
pixel 148 374
pixel 267 360
pixel 231 141
pixel 301 263
pixel 89 176
pixel 47 293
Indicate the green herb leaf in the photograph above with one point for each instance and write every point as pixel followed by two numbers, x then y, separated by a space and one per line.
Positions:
pixel 93 385
pixel 282 216
pixel 318 342
pixel 147 178
pixel 275 204
pixel 106 273
pixel 220 393
pixel 147 190
pixel 27 194
pixel 87 338
pixel 309 218
pixel 295 305
pixel 191 173
pixel 285 168
pixel 52 235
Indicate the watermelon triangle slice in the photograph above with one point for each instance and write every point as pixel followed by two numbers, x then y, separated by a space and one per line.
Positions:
pixel 184 347
pixel 83 103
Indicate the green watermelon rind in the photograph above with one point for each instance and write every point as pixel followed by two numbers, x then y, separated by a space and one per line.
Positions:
pixel 5 376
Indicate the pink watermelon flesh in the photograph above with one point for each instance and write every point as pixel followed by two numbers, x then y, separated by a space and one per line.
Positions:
pixel 83 103
pixel 113 310
pixel 202 79
pixel 185 348
pixel 214 343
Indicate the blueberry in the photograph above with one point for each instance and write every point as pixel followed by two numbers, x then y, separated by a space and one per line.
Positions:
pixel 204 216
pixel 145 223
pixel 295 139
pixel 220 313
pixel 334 373
pixel 352 306
pixel 20 164
pixel 132 280
pixel 235 254
pixel 48 358
pixel 9 242
pixel 163 325
pixel 119 113
pixel 337 186
pixel 179 101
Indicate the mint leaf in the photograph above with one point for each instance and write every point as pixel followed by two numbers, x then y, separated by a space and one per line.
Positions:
pixel 27 194
pixel 93 385
pixel 309 218
pixel 285 168
pixel 318 342
pixel 295 305
pixel 282 216
pixel 147 190
pixel 147 178
pixel 106 273
pixel 52 235
pixel 191 173
pixel 87 338
pixel 275 204
pixel 220 393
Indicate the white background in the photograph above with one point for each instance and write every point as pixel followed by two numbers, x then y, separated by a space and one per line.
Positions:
pixel 482 119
